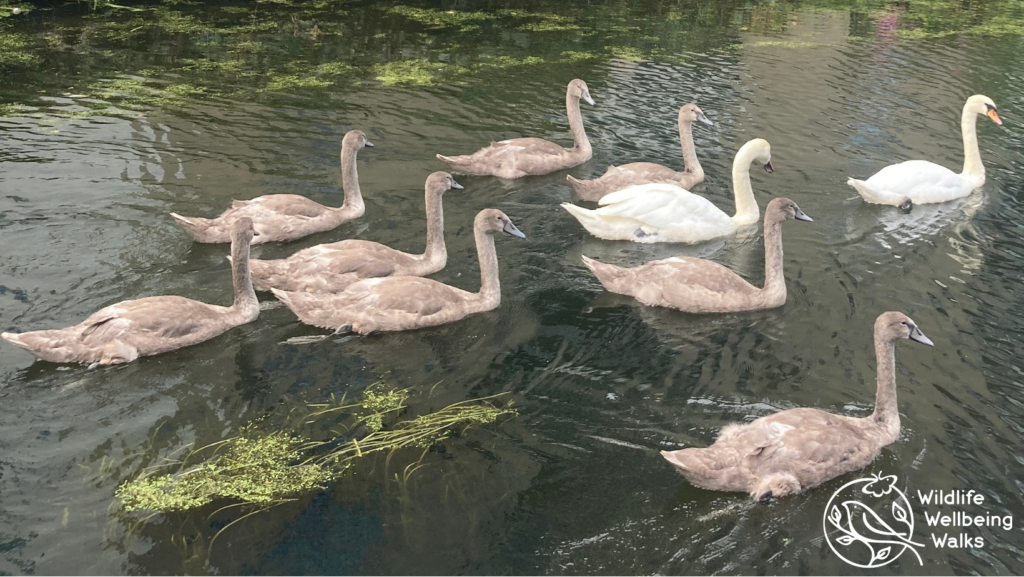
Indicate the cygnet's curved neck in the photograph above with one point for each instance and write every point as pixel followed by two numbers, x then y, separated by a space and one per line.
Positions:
pixel 245 303
pixel 579 135
pixel 972 156
pixel 490 289
pixel 747 211
pixel 690 163
pixel 886 415
pixel 774 280
pixel 436 250
pixel 353 205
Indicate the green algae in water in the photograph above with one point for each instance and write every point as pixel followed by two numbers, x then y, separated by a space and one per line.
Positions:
pixel 262 469
pixel 440 18
pixel 292 81
pixel 250 468
pixel 626 53
pixel 418 72
pixel 15 50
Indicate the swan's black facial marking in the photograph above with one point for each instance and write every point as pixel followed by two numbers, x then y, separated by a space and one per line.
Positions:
pixel 992 114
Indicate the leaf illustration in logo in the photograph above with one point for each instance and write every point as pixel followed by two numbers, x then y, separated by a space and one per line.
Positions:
pixel 845 540
pixel 883 554
pixel 835 515
pixel 900 513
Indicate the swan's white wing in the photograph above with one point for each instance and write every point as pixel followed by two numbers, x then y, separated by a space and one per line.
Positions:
pixel 664 206
pixel 921 181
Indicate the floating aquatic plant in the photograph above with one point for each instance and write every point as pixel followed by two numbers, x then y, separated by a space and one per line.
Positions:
pixel 248 468
pixel 260 469
pixel 417 72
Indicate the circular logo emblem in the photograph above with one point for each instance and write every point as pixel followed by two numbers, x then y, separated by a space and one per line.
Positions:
pixel 869 523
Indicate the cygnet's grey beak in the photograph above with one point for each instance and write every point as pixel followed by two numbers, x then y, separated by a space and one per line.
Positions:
pixel 457 186
pixel 586 97
pixel 917 335
pixel 705 119
pixel 801 215
pixel 511 229
pixel 369 144
pixel 768 167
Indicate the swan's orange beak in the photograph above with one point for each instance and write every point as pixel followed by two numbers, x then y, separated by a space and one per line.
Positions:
pixel 995 116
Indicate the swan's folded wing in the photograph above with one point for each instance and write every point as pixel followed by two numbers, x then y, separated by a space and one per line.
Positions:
pixel 915 178
pixel 283 204
pixel 369 261
pixel 683 273
pixel 662 205
pixel 528 146
pixel 809 437
pixel 162 317
pixel 411 295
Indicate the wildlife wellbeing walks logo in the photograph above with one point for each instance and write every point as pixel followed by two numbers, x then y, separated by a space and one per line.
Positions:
pixel 869 522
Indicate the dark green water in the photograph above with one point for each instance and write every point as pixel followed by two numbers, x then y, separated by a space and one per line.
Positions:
pixel 112 119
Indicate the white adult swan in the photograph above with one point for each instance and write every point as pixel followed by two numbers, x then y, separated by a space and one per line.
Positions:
pixel 922 182
pixel 662 212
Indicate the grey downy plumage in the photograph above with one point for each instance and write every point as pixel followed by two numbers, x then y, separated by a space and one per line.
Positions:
pixel 128 330
pixel 283 217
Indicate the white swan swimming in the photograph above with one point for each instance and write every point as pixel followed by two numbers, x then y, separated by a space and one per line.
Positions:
pixel 663 212
pixel 922 182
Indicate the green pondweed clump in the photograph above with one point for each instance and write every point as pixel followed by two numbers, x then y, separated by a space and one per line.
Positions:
pixel 261 469
pixel 249 468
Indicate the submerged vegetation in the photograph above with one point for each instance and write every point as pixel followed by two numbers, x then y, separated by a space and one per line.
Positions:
pixel 265 465
pixel 127 58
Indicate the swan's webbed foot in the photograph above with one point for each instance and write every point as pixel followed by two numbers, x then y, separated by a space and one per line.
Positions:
pixel 641 233
pixel 776 485
pixel 906 205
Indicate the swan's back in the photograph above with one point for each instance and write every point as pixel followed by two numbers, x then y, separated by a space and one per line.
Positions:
pixel 381 304
pixel 921 181
pixel 802 447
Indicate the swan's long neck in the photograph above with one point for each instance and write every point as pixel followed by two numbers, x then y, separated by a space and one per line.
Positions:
pixel 972 156
pixel 774 280
pixel 579 135
pixel 886 415
pixel 245 304
pixel 436 250
pixel 747 211
pixel 353 204
pixel 490 289
pixel 690 162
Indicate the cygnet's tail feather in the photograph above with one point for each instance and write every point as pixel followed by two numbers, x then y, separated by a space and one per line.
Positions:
pixel 874 196
pixel 690 464
pixel 306 307
pixel 48 345
pixel 195 227
pixel 577 184
pixel 453 161
pixel 284 297
pixel 607 274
